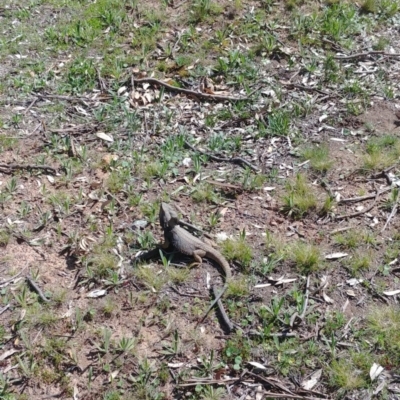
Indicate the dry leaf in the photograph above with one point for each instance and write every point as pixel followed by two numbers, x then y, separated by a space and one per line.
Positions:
pixel 97 293
pixel 262 285
pixel 104 136
pixel 327 298
pixel 375 371
pixel 392 292
pixel 312 381
pixel 7 354
pixel 335 256
pixel 257 365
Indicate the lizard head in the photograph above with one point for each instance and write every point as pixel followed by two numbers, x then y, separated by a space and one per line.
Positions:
pixel 168 216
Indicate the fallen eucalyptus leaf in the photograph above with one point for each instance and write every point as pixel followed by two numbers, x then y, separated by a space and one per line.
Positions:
pixel 97 293
pixel 392 292
pixel 104 136
pixel 375 371
pixel 335 256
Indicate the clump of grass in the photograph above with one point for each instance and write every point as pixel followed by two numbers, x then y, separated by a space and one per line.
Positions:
pixel 381 152
pixel 101 263
pixel 369 7
pixel 292 4
pixel 116 181
pixel 359 261
pixel 344 376
pixel 279 123
pixel 203 9
pixel 150 278
pixel 238 288
pixel 205 192
pixel 7 143
pixel 381 44
pixel 306 257
pixel 353 239
pixel 300 198
pixel 383 328
pixel 38 315
pixel 328 205
pixel 4 237
pixel 177 275
pixel 347 240
pixel 319 158
pixel 237 249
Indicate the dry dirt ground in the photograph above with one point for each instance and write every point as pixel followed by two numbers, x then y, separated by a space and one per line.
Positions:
pixel 83 169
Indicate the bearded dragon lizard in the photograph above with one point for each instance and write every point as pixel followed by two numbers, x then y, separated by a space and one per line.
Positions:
pixel 190 245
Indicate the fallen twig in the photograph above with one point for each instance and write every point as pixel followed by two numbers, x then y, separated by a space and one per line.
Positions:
pixel 71 98
pixel 393 212
pixel 292 396
pixel 206 381
pixel 273 382
pixel 355 214
pixel 384 174
pixel 235 160
pixel 205 96
pixel 305 88
pixel 36 288
pixel 31 105
pixel 78 128
pixel 338 230
pixel 302 315
pixel 5 308
pixel 288 393
pixel 8 281
pixel 7 168
pixel 366 54
pixel 362 198
pixel 175 289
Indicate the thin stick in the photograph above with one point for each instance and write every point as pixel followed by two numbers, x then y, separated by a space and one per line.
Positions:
pixel 5 308
pixel 71 98
pixel 394 210
pixel 362 198
pixel 204 96
pixel 11 279
pixel 339 217
pixel 292 396
pixel 31 105
pixel 7 167
pixel 235 160
pixel 366 54
pixel 36 288
pixel 306 294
